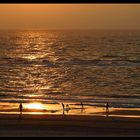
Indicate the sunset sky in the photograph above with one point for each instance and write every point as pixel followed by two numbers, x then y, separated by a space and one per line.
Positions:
pixel 69 16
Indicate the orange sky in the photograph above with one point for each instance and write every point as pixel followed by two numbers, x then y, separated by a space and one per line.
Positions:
pixel 70 16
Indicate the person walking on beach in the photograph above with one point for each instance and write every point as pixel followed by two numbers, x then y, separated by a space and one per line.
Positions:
pixel 67 108
pixel 107 107
pixel 82 105
pixel 63 106
pixel 20 109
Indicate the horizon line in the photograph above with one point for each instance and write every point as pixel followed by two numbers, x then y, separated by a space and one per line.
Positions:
pixel 69 28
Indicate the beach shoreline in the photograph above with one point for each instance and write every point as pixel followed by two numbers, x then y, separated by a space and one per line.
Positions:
pixel 51 120
pixel 67 126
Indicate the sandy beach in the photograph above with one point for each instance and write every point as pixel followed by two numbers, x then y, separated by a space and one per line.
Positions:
pixel 68 126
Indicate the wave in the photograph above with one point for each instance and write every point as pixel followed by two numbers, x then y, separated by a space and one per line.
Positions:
pixel 76 61
pixel 126 62
pixel 73 61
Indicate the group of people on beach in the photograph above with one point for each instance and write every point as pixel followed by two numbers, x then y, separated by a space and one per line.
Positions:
pixel 82 105
pixel 67 105
pixel 67 108
pixel 63 106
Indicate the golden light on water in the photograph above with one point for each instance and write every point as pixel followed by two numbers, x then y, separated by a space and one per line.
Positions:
pixel 33 57
pixel 32 45
pixel 35 106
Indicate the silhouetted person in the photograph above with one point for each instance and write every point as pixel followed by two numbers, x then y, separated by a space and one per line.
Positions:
pixel 82 105
pixel 20 109
pixel 107 108
pixel 67 108
pixel 63 106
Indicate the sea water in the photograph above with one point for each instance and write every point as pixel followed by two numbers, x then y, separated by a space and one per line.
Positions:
pixel 90 66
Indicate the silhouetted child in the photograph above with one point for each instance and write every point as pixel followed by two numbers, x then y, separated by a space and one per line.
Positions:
pixel 67 106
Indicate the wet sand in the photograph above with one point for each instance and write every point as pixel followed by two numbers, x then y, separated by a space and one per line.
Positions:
pixel 68 126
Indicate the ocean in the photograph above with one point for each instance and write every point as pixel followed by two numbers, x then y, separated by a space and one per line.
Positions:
pixel 90 66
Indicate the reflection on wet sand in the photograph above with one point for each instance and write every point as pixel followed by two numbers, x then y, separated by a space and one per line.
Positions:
pixel 69 109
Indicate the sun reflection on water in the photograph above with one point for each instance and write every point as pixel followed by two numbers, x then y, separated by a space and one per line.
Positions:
pixel 34 54
pixel 37 106
pixel 33 45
